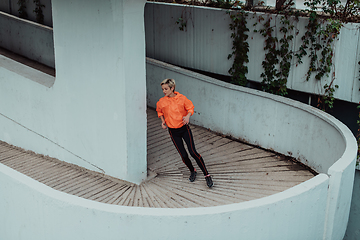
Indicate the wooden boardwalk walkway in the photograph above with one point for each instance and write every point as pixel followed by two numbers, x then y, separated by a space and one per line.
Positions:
pixel 240 173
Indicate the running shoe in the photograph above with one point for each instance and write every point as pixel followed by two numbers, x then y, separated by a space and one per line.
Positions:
pixel 209 181
pixel 192 176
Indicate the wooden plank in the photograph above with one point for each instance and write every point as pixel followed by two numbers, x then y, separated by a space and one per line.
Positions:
pixel 92 188
pixel 104 191
pixel 63 182
pixel 81 184
pixel 61 172
pixel 116 194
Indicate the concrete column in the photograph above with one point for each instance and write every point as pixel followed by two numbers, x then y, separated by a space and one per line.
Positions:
pixel 100 84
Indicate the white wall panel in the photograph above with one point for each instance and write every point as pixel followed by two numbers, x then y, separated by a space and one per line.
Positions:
pixel 207 42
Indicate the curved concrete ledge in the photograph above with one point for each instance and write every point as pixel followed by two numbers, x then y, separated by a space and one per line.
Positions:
pixel 315 209
pixel 272 122
pixel 36 211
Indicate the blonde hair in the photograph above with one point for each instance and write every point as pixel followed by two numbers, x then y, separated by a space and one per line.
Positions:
pixel 170 82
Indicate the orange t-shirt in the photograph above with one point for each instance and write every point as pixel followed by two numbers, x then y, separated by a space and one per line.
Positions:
pixel 174 109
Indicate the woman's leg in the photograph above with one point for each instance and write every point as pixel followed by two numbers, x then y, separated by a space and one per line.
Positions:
pixel 176 137
pixel 189 140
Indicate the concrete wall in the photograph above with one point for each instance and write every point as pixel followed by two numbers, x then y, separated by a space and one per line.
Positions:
pixel 94 114
pixel 272 122
pixel 306 211
pixel 27 38
pixel 353 229
pixel 35 211
pixel 206 43
pixel 12 7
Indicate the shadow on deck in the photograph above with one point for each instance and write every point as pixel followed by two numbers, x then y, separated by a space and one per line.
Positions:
pixel 240 173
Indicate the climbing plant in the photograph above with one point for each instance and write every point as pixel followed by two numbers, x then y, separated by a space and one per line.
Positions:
pixel 182 21
pixel 278 54
pixel 317 44
pixel 322 32
pixel 38 11
pixel 224 3
pixel 22 9
pixel 319 41
pixel 240 47
pixel 344 11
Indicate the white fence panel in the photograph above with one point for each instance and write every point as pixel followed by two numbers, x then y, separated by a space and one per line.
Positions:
pixel 205 44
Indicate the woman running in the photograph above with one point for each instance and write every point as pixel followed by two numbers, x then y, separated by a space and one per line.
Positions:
pixel 174 110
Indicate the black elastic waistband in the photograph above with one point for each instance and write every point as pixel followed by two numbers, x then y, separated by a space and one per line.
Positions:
pixel 184 127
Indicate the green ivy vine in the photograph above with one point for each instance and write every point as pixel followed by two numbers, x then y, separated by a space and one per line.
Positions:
pixel 182 21
pixel 182 24
pixel 22 9
pixel 319 40
pixel 278 56
pixel 240 47
pixel 38 11
pixel 317 45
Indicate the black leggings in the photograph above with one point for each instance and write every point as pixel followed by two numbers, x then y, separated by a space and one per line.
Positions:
pixel 177 135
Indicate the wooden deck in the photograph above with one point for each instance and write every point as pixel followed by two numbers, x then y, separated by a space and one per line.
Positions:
pixel 240 173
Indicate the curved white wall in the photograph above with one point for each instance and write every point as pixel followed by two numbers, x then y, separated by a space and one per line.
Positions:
pixel 35 211
pixel 272 122
pixel 316 209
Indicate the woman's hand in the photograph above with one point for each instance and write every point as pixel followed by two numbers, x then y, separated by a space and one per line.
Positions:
pixel 163 124
pixel 186 119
